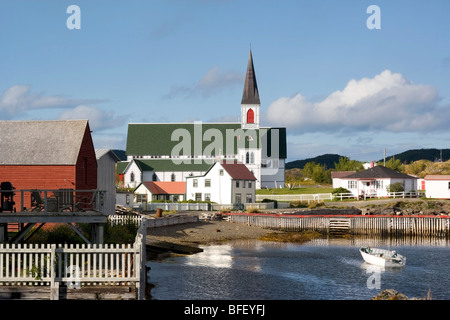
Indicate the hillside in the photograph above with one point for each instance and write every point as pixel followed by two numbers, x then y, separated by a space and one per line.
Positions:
pixel 326 159
pixel 421 154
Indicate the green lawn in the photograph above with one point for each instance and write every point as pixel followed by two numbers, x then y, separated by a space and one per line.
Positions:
pixel 302 190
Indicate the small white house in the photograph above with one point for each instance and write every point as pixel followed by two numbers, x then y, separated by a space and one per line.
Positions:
pixel 226 182
pixel 376 181
pixel 149 191
pixel 437 186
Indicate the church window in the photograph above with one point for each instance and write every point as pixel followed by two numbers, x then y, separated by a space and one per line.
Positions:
pixel 250 116
pixel 172 177
pixel 154 177
pixel 132 177
pixel 247 157
pixel 252 157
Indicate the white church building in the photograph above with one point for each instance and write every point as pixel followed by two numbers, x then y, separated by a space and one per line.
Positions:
pixel 175 151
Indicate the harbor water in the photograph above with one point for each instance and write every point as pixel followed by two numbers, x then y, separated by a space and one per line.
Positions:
pixel 322 269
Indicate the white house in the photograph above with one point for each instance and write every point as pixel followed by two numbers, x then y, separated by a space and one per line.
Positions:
pixel 376 181
pixel 437 186
pixel 223 183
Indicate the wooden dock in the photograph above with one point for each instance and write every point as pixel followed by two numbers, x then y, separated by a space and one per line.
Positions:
pixel 437 226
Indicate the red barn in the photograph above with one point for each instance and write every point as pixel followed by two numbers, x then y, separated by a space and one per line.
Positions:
pixel 47 155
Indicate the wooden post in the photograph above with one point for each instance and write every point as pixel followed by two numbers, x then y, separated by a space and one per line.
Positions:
pixel 54 285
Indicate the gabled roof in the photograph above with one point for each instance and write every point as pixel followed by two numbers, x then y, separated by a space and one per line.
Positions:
pixel 165 187
pixel 378 172
pixel 55 142
pixel 156 138
pixel 102 152
pixel 250 94
pixel 170 165
pixel 237 170
pixel 437 177
pixel 341 174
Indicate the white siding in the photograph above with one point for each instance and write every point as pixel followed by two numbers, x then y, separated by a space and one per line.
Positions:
pixel 437 189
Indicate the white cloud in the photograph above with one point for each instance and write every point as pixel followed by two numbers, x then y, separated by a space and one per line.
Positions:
pixel 99 119
pixel 387 102
pixel 17 100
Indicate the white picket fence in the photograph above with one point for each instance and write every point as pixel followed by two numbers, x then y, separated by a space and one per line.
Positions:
pixel 75 265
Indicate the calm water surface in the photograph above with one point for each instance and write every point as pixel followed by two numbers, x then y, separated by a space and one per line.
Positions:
pixel 320 270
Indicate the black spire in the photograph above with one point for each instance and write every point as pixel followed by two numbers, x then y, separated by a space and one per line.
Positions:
pixel 250 95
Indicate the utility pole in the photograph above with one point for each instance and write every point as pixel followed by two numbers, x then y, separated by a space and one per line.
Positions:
pixel 385 157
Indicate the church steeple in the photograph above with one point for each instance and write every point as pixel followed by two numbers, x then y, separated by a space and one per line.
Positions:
pixel 250 95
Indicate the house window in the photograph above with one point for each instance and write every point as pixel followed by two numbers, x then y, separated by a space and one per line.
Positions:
pixel 207 182
pixel 172 177
pixel 207 196
pixel 221 172
pixel 379 184
pixel 237 183
pixel 249 184
pixel 237 198
pixel 195 183
pixel 248 198
pixel 141 198
pixel 198 197
pixel 352 184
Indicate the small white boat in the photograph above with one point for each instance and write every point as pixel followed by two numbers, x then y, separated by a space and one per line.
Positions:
pixel 382 257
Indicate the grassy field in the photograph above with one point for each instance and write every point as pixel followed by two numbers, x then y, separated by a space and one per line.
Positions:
pixel 301 190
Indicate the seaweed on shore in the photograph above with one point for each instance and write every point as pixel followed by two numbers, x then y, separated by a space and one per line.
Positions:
pixel 295 237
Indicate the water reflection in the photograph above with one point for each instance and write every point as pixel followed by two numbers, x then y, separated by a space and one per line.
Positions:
pixel 214 256
pixel 320 269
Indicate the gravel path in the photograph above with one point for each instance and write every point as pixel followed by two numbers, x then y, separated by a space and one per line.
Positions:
pixel 205 232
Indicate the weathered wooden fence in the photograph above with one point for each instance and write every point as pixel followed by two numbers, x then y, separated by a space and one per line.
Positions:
pixel 73 266
pixel 438 226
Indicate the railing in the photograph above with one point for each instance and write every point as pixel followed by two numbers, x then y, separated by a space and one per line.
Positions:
pixel 296 197
pixel 193 206
pixel 56 200
pixel 75 265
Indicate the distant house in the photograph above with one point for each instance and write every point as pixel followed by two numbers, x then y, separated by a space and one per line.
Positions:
pixel 149 191
pixel 336 177
pixel 47 155
pixel 223 183
pixel 437 186
pixel 106 163
pixel 376 181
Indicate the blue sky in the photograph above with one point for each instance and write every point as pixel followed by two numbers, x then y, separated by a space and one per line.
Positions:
pixel 338 86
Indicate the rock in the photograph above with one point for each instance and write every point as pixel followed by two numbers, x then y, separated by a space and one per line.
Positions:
pixel 390 294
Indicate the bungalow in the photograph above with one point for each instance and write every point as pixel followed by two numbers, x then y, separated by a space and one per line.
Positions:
pixel 376 181
pixel 149 191
pixel 437 186
pixel 226 182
